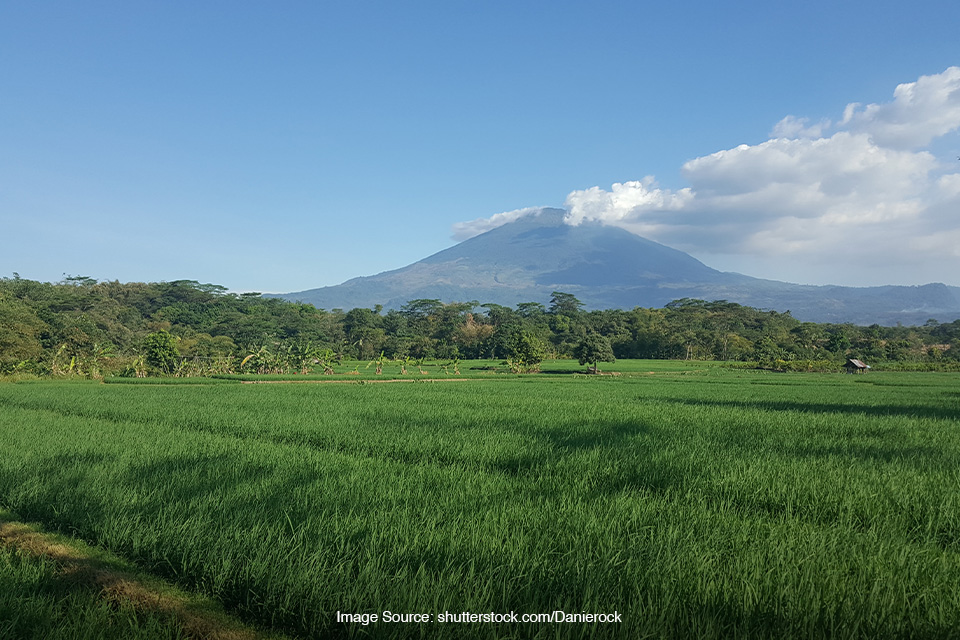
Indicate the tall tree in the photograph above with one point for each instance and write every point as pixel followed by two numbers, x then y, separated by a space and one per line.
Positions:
pixel 594 348
pixel 565 304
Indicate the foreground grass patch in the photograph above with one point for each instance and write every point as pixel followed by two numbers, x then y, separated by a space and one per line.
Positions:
pixel 57 587
pixel 38 602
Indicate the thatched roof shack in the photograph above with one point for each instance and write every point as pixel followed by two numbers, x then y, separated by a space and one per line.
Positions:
pixel 855 366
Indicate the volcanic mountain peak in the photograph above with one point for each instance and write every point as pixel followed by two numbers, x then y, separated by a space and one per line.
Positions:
pixel 542 249
pixel 608 267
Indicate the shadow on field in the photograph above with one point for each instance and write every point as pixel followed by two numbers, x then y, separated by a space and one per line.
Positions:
pixel 536 448
pixel 221 483
pixel 568 437
pixel 926 456
pixel 52 481
pixel 607 457
pixel 574 435
pixel 865 442
pixel 883 410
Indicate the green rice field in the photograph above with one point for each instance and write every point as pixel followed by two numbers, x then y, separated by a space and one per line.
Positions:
pixel 690 500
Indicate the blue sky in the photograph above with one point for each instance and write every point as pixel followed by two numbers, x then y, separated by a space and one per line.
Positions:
pixel 283 146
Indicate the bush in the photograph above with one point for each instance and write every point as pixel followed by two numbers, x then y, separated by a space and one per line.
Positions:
pixel 160 351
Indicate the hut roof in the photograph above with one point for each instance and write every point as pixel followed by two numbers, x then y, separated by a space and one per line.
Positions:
pixel 853 362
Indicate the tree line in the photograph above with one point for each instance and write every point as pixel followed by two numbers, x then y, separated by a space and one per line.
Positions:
pixel 81 326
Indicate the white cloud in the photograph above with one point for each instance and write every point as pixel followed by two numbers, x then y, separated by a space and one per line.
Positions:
pixel 784 199
pixel 794 127
pixel 465 230
pixel 807 178
pixel 920 111
pixel 625 201
pixel 860 201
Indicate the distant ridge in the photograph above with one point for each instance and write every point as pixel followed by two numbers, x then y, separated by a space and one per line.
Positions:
pixel 608 267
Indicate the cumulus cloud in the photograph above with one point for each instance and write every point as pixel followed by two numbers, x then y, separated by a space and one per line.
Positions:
pixel 786 198
pixel 920 111
pixel 624 202
pixel 808 178
pixel 859 201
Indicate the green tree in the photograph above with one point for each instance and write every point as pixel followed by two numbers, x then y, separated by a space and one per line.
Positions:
pixel 530 309
pixel 525 351
pixel 363 331
pixel 594 348
pixel 565 304
pixel 160 351
pixel 20 331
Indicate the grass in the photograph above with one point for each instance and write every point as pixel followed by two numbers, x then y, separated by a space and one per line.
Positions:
pixel 696 501
pixel 38 601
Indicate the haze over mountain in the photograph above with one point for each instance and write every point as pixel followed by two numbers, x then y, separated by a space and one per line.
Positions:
pixel 608 267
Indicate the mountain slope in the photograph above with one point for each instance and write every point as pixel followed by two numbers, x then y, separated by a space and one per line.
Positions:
pixel 607 267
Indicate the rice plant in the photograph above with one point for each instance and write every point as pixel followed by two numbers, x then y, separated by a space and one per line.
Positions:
pixel 693 501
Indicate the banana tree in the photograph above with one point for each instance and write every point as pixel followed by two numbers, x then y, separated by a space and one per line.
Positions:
pixel 419 362
pixel 379 362
pixel 301 354
pixel 326 358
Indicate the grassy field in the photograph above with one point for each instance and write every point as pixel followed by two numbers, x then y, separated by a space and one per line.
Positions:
pixel 692 500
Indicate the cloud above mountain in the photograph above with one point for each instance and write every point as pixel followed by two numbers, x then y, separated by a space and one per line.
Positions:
pixel 865 194
pixel 464 230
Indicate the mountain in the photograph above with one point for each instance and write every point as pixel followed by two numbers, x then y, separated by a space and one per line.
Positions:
pixel 607 267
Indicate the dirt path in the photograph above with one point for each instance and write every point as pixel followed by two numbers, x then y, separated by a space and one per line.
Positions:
pixel 198 617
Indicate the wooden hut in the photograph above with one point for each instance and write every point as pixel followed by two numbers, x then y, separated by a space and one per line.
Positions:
pixel 855 366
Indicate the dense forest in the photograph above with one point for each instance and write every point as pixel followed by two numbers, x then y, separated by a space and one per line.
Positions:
pixel 83 327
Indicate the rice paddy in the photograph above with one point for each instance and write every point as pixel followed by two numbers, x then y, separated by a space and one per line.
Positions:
pixel 689 500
